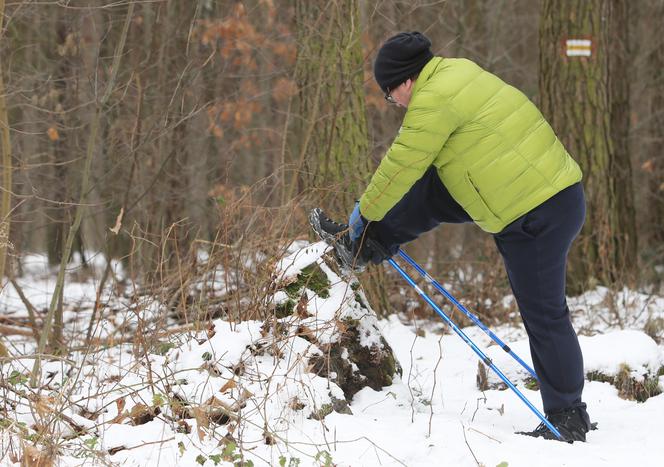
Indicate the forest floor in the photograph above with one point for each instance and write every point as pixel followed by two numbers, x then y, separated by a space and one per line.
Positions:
pixel 150 390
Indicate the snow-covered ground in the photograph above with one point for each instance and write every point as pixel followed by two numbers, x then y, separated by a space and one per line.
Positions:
pixel 240 392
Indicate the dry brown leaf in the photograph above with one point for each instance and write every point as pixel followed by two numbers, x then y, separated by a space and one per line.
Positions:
pixel 295 404
pixel 119 418
pixel 120 404
pixel 118 222
pixel 202 421
pixel 246 394
pixel 33 457
pixel 138 409
pixel 214 403
pixel 141 414
pixel 211 331
pixel 307 334
pixel 301 308
pixel 218 412
pixel 53 134
pixel 43 405
pixel 648 166
pixel 230 384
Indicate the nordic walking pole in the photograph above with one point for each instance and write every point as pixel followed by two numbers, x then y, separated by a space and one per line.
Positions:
pixel 486 360
pixel 465 311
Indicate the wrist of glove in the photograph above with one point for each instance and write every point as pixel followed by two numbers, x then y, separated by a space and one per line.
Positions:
pixel 356 223
pixel 365 248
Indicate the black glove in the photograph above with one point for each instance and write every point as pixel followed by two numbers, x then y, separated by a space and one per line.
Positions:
pixel 369 250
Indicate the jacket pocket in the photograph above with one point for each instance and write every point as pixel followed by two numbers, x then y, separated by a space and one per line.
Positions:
pixel 479 197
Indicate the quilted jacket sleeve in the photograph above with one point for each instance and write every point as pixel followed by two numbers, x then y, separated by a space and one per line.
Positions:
pixel 428 123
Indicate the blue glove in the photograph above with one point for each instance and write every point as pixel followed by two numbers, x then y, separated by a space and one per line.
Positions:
pixel 356 223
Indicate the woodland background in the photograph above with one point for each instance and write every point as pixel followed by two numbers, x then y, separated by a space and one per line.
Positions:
pixel 168 127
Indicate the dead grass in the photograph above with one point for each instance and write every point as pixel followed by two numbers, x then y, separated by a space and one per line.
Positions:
pixel 630 387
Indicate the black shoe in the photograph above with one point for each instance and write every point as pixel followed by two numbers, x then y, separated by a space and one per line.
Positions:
pixel 337 236
pixel 572 424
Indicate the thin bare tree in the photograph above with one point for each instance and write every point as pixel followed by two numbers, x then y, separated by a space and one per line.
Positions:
pixel 80 208
pixel 5 147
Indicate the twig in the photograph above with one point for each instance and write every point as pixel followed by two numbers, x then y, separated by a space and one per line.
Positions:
pixel 410 373
pixel 97 305
pixel 122 448
pixel 36 357
pixel 433 389
pixel 477 407
pixel 10 331
pixel 28 306
pixel 490 437
pixel 463 430
pixel 127 340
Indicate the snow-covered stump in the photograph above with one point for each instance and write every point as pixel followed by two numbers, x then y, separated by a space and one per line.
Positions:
pixel 333 314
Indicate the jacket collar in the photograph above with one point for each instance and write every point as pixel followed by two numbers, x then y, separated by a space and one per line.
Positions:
pixel 426 73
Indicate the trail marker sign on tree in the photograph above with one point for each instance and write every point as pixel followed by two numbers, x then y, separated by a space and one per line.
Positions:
pixel 578 47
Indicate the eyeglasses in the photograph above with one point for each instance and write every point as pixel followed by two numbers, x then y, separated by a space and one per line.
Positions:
pixel 389 98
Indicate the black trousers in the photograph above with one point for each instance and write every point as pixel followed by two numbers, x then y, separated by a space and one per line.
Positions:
pixel 534 249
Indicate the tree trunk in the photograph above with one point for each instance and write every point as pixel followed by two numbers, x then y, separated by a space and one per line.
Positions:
pixel 332 135
pixel 5 149
pixel 586 100
pixel 60 215
pixel 333 153
pixel 654 165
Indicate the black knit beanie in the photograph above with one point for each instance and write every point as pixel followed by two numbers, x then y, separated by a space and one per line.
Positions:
pixel 401 57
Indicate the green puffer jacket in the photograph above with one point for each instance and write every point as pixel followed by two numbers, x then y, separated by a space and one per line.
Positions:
pixel 494 151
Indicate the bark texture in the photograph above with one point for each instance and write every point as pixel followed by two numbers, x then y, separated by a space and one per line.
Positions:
pixel 586 99
pixel 333 143
pixel 654 165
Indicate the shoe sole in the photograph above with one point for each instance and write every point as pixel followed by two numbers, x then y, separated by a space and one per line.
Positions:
pixel 344 257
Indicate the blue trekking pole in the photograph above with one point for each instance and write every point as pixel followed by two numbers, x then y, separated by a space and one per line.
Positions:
pixel 465 311
pixel 486 360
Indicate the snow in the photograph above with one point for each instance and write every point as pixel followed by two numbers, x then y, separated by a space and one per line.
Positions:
pixel 605 353
pixel 302 257
pixel 432 415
